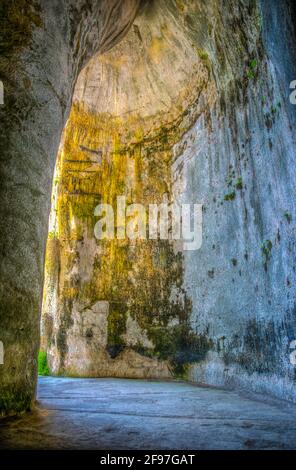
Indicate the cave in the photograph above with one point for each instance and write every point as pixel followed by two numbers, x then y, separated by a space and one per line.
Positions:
pixel 170 101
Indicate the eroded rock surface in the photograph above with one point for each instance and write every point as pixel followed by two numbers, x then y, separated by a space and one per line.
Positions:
pixel 129 111
pixel 193 105
pixel 44 45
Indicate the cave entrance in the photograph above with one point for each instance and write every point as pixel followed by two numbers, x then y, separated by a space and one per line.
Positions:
pixel 117 307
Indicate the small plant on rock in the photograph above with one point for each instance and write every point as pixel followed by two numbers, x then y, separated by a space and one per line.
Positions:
pixel 251 69
pixel 229 196
pixel 43 368
pixel 288 217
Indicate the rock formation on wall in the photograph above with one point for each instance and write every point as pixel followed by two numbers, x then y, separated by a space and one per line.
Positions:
pixel 44 45
pixel 192 105
pixel 118 308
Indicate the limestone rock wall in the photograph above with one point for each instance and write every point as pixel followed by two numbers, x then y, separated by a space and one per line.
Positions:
pixel 193 104
pixel 44 45
pixel 240 163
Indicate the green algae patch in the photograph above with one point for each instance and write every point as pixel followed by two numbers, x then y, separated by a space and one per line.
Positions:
pixel 181 346
pixel 204 56
pixel 15 402
pixel 103 158
pixel 116 329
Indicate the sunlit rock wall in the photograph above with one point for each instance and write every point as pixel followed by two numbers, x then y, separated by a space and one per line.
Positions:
pixel 44 45
pixel 118 307
pixel 193 105
pixel 240 164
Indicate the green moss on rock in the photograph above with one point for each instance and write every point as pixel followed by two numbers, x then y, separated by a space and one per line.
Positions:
pixel 18 19
pixel 142 279
pixel 15 401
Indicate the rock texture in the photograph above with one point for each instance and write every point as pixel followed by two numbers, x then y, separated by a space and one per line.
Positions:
pixel 216 131
pixel 241 167
pixel 193 105
pixel 128 112
pixel 44 45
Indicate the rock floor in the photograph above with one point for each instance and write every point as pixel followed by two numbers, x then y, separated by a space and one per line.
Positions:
pixel 140 414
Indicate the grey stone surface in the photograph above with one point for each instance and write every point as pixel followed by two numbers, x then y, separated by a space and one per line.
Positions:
pixel 44 46
pixel 243 297
pixel 237 159
pixel 129 95
pixel 134 414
